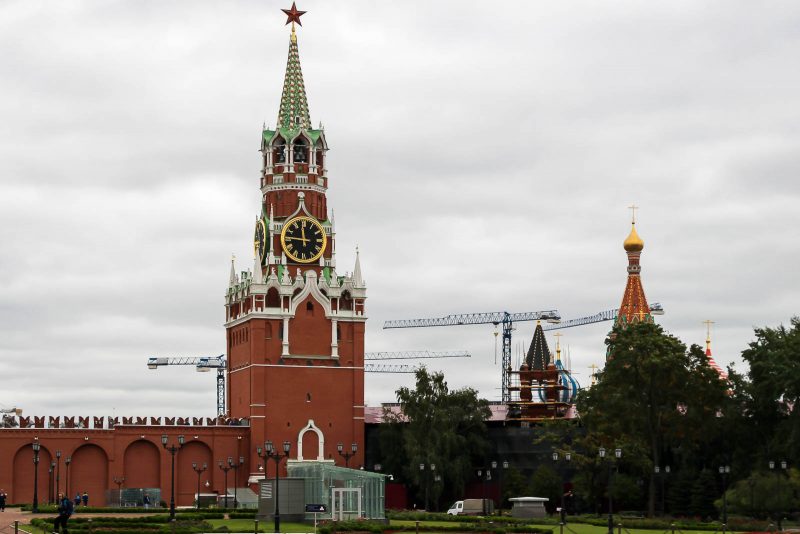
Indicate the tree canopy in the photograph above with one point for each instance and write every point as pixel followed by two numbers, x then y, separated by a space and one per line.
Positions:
pixel 438 427
pixel 654 398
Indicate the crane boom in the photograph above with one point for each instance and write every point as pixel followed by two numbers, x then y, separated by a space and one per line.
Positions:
pixel 474 318
pixel 202 364
pixel 508 320
pixel 505 318
pixel 416 354
pixel 388 368
pixel 607 315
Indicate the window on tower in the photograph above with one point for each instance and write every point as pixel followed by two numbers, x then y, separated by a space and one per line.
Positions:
pixel 320 157
pixel 273 298
pixel 346 302
pixel 300 151
pixel 279 150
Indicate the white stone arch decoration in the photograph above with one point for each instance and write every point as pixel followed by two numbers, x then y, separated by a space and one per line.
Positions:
pixel 311 427
pixel 311 288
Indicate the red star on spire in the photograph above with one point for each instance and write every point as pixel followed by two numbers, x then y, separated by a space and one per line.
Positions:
pixel 293 14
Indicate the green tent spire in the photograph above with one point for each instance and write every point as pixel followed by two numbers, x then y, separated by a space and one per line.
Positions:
pixel 293 113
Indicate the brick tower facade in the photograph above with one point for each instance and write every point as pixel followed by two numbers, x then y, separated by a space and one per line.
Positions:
pixel 295 328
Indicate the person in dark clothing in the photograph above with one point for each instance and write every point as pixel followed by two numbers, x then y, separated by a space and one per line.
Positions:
pixel 65 509
pixel 85 499
pixel 3 498
pixel 77 499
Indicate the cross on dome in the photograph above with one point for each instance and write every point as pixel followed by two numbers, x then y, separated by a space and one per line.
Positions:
pixel 633 208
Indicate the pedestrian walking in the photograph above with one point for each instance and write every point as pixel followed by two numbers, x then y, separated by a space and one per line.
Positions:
pixel 146 500
pixel 65 510
pixel 3 497
pixel 77 499
pixel 85 499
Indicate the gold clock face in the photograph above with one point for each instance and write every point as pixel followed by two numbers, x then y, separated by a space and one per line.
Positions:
pixel 260 239
pixel 303 239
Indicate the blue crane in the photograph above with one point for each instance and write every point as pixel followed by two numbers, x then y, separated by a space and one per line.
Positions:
pixel 203 364
pixel 552 317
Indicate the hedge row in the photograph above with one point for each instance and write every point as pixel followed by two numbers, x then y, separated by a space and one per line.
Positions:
pixel 128 526
pixel 380 527
pixel 738 524
pixel 52 508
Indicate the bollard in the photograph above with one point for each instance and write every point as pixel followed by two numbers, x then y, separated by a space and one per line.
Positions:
pixel 417 522
pixel 16 527
pixel 561 527
pixel 672 528
pixel 90 525
pixel 619 528
pixel 255 527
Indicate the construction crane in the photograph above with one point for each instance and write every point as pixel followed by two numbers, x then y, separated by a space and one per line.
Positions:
pixel 505 318
pixel 607 315
pixel 202 364
pixel 552 317
pixel 207 363
pixel 388 368
pixel 416 355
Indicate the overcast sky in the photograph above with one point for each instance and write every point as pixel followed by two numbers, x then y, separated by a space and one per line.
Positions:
pixel 482 158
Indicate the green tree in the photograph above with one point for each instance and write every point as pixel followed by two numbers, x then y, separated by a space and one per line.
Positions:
pixel 547 483
pixel 773 389
pixel 763 494
pixel 704 492
pixel 438 427
pixel 652 395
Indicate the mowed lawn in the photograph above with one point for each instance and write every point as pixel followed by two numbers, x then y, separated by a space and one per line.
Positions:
pixel 246 525
pixel 571 528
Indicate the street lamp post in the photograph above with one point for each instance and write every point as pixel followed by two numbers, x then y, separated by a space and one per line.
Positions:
pixel 347 455
pixel 50 482
pixel 270 452
pixel 36 446
pixel 199 471
pixel 567 459
pixel 119 481
pixel 661 476
pixel 783 466
pixel 235 468
pixel 58 473
pixel 505 468
pixel 724 470
pixel 67 461
pixel 618 455
pixel 173 450
pixel 427 481
pixel 484 475
pixel 225 468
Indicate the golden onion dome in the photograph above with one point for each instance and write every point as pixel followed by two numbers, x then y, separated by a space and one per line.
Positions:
pixel 633 243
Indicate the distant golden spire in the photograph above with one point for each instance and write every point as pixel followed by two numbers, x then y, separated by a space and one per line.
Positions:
pixel 708 324
pixel 633 243
pixel 558 335
pixel 594 368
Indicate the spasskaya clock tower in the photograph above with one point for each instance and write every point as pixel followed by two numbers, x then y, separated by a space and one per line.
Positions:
pixel 295 327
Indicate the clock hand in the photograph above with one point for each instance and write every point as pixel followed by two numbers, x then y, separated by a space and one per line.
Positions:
pixel 303 239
